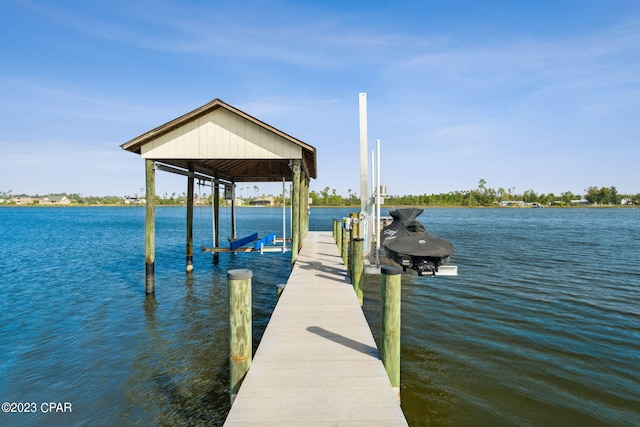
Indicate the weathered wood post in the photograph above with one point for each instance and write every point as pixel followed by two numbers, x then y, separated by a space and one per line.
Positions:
pixel 304 208
pixel 355 224
pixel 190 179
pixel 353 233
pixel 216 219
pixel 279 289
pixel 357 267
pixel 339 236
pixel 345 245
pixel 335 230
pixel 150 227
pixel 390 287
pixel 295 214
pixel 240 343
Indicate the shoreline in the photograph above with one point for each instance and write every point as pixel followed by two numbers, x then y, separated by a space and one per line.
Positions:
pixel 10 205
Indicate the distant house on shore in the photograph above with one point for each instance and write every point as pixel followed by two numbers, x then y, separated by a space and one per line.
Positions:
pixel 512 203
pixel 580 202
pixel 237 201
pixel 24 200
pixel 265 201
pixel 134 200
pixel 55 200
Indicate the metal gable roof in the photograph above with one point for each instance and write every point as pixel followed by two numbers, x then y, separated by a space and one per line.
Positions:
pixel 238 170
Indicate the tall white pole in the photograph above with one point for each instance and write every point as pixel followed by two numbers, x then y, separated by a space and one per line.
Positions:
pixel 364 190
pixel 366 223
pixel 374 223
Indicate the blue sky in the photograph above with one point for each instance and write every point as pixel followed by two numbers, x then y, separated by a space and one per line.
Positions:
pixel 541 95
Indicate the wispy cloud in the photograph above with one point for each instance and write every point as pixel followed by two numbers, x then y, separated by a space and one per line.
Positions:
pixel 476 100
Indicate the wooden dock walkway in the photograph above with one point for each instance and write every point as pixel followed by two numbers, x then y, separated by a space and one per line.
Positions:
pixel 317 363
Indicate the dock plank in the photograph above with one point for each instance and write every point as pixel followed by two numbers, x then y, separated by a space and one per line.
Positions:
pixel 317 363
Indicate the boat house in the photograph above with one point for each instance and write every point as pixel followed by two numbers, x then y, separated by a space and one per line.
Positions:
pixel 223 145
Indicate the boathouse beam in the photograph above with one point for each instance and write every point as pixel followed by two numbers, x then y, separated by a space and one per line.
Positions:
pixel 149 229
pixel 178 171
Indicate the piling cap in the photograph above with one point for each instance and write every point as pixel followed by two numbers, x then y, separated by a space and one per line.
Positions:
pixel 390 270
pixel 239 274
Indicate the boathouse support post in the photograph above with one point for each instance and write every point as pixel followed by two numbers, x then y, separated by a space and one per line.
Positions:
pixel 304 208
pixel 240 338
pixel 150 227
pixel 357 267
pixel 295 214
pixel 390 287
pixel 190 182
pixel 216 219
pixel 233 211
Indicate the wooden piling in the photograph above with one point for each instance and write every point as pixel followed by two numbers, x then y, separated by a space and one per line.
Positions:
pixel 357 268
pixel 279 290
pixel 150 227
pixel 190 179
pixel 216 219
pixel 390 289
pixel 355 225
pixel 344 252
pixel 339 236
pixel 295 214
pixel 304 208
pixel 240 343
pixel 353 233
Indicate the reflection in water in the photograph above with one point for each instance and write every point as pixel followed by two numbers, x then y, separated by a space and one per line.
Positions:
pixel 180 367
pixel 180 373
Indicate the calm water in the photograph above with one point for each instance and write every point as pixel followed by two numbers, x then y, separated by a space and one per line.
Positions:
pixel 541 327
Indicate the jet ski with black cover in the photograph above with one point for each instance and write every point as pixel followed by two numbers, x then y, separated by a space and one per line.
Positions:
pixel 407 242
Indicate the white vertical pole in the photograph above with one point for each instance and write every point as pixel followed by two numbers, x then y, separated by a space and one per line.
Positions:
pixel 364 191
pixel 374 224
pixel 366 204
pixel 378 200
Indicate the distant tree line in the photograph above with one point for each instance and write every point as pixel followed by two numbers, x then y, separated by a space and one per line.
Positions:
pixel 483 196
pixel 480 196
pixel 486 196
